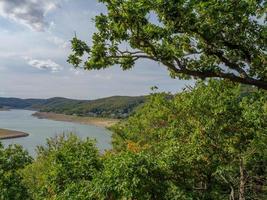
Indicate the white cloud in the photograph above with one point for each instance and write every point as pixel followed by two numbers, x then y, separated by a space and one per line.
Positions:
pixel 28 12
pixel 44 64
pixel 58 42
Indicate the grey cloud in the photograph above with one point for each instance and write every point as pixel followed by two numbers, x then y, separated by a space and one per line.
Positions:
pixel 28 12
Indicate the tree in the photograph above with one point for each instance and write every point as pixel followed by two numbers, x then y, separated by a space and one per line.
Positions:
pixel 130 175
pixel 13 159
pixel 224 39
pixel 65 162
pixel 211 139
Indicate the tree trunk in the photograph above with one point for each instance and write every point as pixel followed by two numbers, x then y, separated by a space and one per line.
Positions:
pixel 242 180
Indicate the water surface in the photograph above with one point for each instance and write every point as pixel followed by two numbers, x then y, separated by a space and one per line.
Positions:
pixel 41 129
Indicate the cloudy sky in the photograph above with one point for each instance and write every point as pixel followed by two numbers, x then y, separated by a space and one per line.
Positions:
pixel 34 38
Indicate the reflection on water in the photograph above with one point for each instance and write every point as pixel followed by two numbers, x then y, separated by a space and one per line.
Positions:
pixel 41 129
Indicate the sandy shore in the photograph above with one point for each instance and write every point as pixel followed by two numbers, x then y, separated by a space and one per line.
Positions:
pixel 8 134
pixel 100 122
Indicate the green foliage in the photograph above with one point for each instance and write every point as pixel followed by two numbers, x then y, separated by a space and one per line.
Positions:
pixel 202 136
pixel 130 176
pixel 191 38
pixel 64 162
pixel 12 160
pixel 127 175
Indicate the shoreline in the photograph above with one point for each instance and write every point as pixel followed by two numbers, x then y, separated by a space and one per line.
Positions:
pixel 11 134
pixel 96 121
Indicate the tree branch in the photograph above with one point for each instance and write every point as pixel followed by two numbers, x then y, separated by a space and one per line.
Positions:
pixel 212 74
pixel 220 54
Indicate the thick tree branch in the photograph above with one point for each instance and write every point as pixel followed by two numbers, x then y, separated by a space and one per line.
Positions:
pixel 211 74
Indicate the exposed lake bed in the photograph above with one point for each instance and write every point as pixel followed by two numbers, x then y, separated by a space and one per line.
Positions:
pixel 10 134
pixel 41 129
pixel 96 121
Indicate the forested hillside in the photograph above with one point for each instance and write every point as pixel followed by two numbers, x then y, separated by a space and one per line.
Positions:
pixel 115 107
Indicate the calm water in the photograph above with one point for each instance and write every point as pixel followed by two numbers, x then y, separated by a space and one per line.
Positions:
pixel 40 129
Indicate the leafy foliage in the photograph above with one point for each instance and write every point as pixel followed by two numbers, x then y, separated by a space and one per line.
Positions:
pixel 204 136
pixel 191 38
pixel 130 176
pixel 12 159
pixel 64 162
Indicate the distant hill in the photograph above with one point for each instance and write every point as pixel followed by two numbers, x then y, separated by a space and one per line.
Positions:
pixel 114 107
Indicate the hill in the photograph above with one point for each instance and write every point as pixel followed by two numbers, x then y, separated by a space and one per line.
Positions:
pixel 114 107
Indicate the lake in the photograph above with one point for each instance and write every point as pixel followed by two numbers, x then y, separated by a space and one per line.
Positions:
pixel 41 129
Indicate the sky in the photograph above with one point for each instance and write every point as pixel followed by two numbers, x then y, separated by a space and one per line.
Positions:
pixel 35 43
